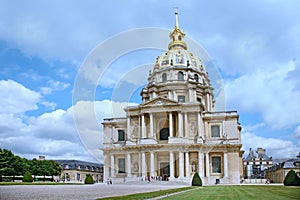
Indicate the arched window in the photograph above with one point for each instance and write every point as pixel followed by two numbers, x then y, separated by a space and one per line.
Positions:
pixel 196 77
pixel 164 77
pixel 180 76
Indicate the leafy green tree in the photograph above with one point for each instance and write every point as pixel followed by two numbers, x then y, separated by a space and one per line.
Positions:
pixel 291 179
pixel 27 177
pixel 196 180
pixel 88 179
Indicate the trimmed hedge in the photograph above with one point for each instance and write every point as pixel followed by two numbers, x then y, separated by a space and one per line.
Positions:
pixel 196 180
pixel 88 179
pixel 27 177
pixel 291 179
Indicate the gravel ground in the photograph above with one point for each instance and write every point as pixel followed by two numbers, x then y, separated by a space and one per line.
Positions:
pixel 29 192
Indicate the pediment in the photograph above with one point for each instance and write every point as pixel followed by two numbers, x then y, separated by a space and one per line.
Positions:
pixel 159 101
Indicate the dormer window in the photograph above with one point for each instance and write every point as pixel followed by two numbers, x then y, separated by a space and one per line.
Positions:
pixel 165 62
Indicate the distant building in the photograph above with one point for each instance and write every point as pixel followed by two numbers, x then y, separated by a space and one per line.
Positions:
pixel 76 171
pixel 276 173
pixel 255 164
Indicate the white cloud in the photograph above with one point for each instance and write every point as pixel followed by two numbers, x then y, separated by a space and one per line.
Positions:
pixel 54 86
pixel 53 134
pixel 15 98
pixel 268 92
pixel 277 148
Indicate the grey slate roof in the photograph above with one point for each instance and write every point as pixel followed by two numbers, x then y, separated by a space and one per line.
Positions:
pixel 84 166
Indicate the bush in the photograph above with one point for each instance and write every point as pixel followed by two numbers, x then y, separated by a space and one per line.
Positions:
pixel 88 179
pixel 196 180
pixel 27 177
pixel 291 179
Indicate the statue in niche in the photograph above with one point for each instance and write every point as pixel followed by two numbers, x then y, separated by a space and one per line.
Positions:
pixel 136 167
pixel 193 129
pixel 193 167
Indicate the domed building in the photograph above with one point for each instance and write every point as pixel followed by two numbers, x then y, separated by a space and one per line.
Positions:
pixel 174 133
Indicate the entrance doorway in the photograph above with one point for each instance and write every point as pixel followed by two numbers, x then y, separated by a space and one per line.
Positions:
pixel 165 171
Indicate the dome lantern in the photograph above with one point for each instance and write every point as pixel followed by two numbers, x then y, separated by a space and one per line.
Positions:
pixel 177 36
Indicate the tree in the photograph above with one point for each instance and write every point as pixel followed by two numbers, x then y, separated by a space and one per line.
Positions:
pixel 88 179
pixel 291 179
pixel 27 177
pixel 196 180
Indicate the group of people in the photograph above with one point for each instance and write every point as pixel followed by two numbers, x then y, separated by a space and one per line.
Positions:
pixel 155 178
pixel 109 181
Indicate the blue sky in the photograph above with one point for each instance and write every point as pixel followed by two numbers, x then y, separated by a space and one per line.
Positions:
pixel 43 44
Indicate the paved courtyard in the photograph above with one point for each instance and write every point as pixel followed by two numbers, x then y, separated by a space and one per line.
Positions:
pixel 28 192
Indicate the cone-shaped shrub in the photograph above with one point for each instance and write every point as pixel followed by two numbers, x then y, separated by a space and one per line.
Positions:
pixel 27 177
pixel 291 179
pixel 196 180
pixel 89 179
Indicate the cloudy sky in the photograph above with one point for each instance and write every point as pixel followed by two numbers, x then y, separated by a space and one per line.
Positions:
pixel 44 45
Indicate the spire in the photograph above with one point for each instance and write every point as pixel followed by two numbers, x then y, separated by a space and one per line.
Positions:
pixel 176 17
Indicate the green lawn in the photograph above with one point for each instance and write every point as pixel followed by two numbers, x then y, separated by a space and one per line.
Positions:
pixel 223 193
pixel 241 192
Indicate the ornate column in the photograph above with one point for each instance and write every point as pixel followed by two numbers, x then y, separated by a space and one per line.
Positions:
pixel 200 164
pixel 171 165
pixel 207 164
pixel 171 124
pixel 181 165
pixel 105 167
pixel 195 95
pixel 208 102
pixel 187 164
pixel 128 128
pixel 186 125
pixel 179 124
pixel 152 163
pixel 128 164
pixel 112 166
pixel 190 94
pixel 151 125
pixel 143 127
pixel 199 126
pixel 169 95
pixel 144 167
pixel 225 163
pixel 174 96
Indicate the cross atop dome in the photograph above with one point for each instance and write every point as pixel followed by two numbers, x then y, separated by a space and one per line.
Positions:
pixel 177 35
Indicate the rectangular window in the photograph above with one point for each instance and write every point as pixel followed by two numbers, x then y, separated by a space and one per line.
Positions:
pixel 121 165
pixel 215 131
pixel 121 135
pixel 216 164
pixel 181 98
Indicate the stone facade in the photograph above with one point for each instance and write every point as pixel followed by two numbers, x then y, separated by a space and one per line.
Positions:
pixel 174 132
